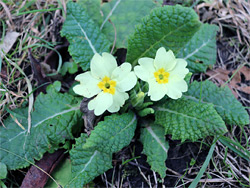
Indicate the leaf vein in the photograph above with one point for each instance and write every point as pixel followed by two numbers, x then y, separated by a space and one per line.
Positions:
pixel 40 122
pixel 86 36
pixel 85 166
pixel 157 139
pixel 197 49
pixel 159 41
pixel 110 13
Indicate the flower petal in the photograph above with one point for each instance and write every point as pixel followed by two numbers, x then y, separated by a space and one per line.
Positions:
pixel 180 68
pixel 127 83
pixel 120 72
pixel 109 61
pixel 175 87
pixel 164 59
pixel 156 91
pixel 102 66
pixel 88 85
pixel 100 103
pixel 119 99
pixel 146 68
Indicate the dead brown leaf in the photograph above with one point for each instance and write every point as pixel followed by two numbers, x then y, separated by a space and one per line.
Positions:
pixel 35 177
pixel 221 76
pixel 8 42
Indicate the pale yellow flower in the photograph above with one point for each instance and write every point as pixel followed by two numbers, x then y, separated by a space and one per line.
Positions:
pixel 106 80
pixel 165 74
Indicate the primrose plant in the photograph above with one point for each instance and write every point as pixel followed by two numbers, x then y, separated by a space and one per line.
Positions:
pixel 163 50
pixel 108 83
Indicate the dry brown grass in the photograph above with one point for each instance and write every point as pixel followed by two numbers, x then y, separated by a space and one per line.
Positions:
pixel 228 169
pixel 35 30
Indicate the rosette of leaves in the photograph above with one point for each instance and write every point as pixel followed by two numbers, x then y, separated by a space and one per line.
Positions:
pixel 201 112
pixel 189 118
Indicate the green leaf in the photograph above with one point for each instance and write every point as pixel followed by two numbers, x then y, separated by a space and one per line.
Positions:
pixel 236 147
pixel 70 67
pixel 185 119
pixel 112 134
pixel 61 174
pixel 145 112
pixel 93 8
pixel 155 147
pixel 56 86
pixel 229 108
pixel 2 185
pixel 125 15
pixel 176 28
pixel 83 35
pixel 87 163
pixel 54 118
pixel 93 156
pixel 170 26
pixel 204 166
pixel 3 171
pixel 200 51
pixel 188 78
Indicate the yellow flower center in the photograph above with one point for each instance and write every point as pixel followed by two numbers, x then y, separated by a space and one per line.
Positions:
pixel 161 76
pixel 107 85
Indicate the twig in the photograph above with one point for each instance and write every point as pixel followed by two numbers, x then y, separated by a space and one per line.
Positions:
pixel 114 38
pixel 155 178
pixel 145 178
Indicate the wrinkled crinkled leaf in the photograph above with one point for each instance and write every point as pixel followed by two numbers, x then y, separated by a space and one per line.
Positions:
pixel 55 115
pixel 229 108
pixel 155 147
pixel 200 51
pixel 87 163
pixel 93 156
pixel 125 15
pixel 176 28
pixel 83 35
pixel 185 119
pixel 93 8
pixel 168 26
pixel 112 134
